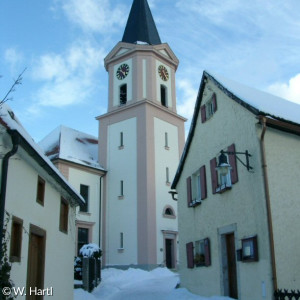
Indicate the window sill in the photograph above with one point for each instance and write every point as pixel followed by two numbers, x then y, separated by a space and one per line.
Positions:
pixel 195 203
pixel 223 188
pixel 120 197
pixel 169 216
pixel 84 213
pixel 121 147
pixel 120 250
pixel 167 147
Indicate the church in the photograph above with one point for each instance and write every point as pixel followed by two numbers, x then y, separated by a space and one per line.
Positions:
pixel 141 138
pixel 129 212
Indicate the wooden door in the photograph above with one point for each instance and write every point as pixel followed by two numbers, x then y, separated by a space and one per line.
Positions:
pixel 231 266
pixel 36 263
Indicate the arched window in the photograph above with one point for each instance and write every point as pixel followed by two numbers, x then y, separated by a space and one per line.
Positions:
pixel 123 94
pixel 168 212
pixel 163 95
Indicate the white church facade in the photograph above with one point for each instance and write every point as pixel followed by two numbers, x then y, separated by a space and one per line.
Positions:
pixel 141 138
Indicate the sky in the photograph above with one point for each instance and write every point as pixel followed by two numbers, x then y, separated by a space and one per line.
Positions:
pixel 62 45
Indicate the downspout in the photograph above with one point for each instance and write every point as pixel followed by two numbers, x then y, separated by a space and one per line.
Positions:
pixel 15 141
pixel 268 203
pixel 100 209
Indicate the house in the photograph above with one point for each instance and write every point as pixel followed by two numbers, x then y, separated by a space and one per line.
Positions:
pixel 238 193
pixel 141 138
pixel 40 205
pixel 75 154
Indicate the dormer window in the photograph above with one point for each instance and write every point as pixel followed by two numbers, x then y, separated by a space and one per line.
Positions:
pixel 163 95
pixel 123 94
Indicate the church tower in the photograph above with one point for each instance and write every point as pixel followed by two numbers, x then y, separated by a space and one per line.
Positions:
pixel 141 138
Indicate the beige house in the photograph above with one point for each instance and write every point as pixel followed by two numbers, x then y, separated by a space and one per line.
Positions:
pixel 40 206
pixel 75 154
pixel 239 217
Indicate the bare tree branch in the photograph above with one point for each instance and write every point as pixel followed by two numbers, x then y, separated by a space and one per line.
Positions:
pixel 18 81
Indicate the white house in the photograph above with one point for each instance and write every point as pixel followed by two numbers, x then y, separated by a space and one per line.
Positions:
pixel 75 154
pixel 239 231
pixel 41 207
pixel 141 138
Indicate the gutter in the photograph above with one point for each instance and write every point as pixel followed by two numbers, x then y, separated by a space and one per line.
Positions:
pixel 263 121
pixel 15 141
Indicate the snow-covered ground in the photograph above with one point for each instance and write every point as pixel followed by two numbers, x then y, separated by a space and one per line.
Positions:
pixel 136 284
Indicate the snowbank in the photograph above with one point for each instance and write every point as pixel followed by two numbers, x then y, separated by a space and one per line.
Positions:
pixel 136 284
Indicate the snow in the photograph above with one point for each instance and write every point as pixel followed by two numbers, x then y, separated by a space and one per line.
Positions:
pixel 9 120
pixel 271 105
pixel 88 250
pixel 136 284
pixel 72 145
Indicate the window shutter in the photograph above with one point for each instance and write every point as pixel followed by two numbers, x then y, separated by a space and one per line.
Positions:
pixel 203 182
pixel 203 113
pixel 214 99
pixel 207 252
pixel 232 162
pixel 214 175
pixel 190 255
pixel 189 190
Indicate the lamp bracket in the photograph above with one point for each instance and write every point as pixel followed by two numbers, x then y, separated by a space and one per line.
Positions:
pixel 173 193
pixel 246 153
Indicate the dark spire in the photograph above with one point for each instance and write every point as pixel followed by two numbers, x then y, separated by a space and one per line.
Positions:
pixel 140 25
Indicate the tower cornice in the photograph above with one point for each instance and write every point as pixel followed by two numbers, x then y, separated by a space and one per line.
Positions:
pixel 121 109
pixel 123 50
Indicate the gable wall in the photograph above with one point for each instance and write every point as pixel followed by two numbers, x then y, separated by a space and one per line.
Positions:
pixel 243 206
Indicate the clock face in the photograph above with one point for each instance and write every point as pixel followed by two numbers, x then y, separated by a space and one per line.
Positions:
pixel 163 73
pixel 122 71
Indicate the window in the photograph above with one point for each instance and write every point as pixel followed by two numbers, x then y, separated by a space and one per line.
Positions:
pixel 166 141
pixel 163 95
pixel 121 240
pixel 202 253
pixel 16 240
pixel 208 109
pixel 168 212
pixel 84 192
pixel 196 187
pixel 121 196
pixel 64 215
pixel 167 176
pixel 123 94
pixel 82 237
pixel 40 195
pixel 121 146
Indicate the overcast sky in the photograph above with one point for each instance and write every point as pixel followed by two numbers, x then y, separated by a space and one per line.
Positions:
pixel 62 43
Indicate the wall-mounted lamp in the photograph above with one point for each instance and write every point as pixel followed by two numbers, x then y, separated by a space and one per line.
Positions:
pixel 173 193
pixel 224 167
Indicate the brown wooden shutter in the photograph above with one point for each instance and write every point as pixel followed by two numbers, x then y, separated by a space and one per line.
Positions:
pixel 214 99
pixel 203 113
pixel 189 190
pixel 190 255
pixel 214 175
pixel 207 252
pixel 203 182
pixel 232 162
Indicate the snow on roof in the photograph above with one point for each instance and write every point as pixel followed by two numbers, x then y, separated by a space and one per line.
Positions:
pixel 10 121
pixel 265 103
pixel 72 145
